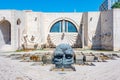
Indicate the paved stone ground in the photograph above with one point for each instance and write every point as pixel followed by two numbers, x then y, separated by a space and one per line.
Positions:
pixel 16 70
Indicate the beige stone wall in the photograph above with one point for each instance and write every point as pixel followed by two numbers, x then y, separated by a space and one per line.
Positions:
pixel 116 29
pixel 107 30
pixel 8 16
pixel 34 27
pixel 19 27
pixel 12 17
pixel 98 30
pixel 94 30
pixel 39 24
pixel 84 29
pixel 51 18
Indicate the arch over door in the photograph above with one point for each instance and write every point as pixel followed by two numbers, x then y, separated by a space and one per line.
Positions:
pixel 5 32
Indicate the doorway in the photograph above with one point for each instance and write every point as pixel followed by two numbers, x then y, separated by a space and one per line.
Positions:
pixel 5 32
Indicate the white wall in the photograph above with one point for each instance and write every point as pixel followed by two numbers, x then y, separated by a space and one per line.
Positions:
pixel 116 29
pixel 51 18
pixel 8 15
pixel 101 29
pixel 94 30
pixel 19 29
pixel 12 16
pixel 34 26
pixel 107 30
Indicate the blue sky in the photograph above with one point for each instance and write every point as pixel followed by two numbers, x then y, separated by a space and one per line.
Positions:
pixel 52 5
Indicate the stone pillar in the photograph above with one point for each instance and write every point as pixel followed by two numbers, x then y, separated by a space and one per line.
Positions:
pixel 82 36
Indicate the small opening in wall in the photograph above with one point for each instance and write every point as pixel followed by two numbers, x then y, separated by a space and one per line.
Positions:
pixel 81 25
pixel 91 19
pixel 18 21
pixel 35 18
pixel 105 20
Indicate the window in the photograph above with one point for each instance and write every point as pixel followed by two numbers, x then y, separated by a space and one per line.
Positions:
pixel 63 26
pixel 18 21
pixel 56 27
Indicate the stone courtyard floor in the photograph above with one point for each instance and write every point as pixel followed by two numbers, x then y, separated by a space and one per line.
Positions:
pixel 17 70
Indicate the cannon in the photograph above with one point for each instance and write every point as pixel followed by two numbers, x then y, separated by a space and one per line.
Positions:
pixel 63 56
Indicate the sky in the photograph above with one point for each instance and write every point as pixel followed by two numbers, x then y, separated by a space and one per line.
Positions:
pixel 52 5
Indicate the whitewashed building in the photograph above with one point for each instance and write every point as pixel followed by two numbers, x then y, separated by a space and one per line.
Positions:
pixel 35 30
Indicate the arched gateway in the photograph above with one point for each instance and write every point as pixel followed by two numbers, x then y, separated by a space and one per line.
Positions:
pixel 5 32
pixel 64 31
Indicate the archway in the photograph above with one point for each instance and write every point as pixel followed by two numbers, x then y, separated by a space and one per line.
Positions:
pixel 5 32
pixel 64 31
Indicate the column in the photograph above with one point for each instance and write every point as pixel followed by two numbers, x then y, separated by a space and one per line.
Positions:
pixel 82 36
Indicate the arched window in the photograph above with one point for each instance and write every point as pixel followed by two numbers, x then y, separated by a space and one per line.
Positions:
pixel 18 21
pixel 63 26
pixel 56 27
